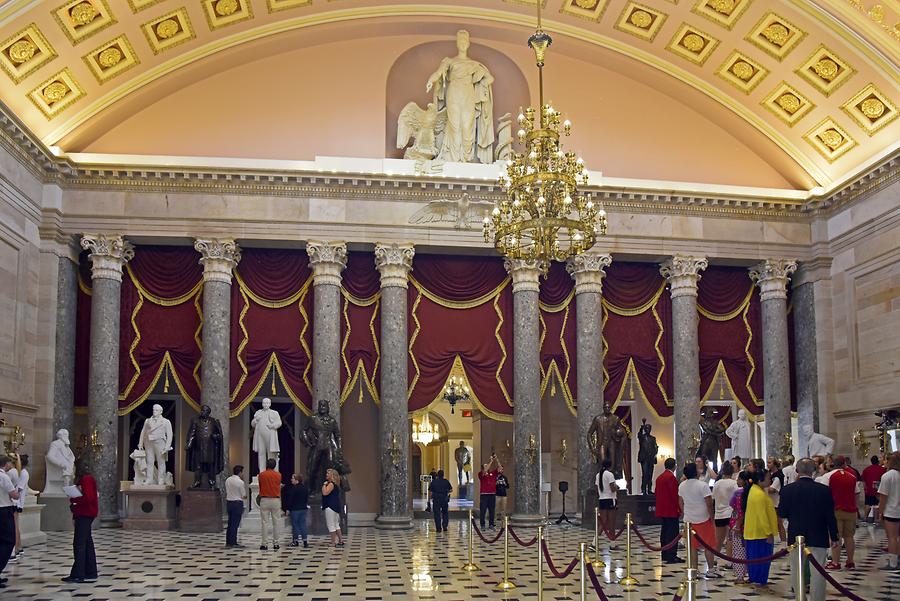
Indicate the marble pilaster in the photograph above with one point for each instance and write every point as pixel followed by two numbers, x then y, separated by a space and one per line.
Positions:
pixel 527 383
pixel 328 260
pixel 219 258
pixel 108 255
pixel 394 263
pixel 588 270
pixel 64 349
pixel 772 278
pixel 683 273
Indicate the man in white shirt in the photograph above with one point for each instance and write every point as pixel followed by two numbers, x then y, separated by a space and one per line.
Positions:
pixel 235 493
pixel 889 509
pixel 8 497
pixel 695 499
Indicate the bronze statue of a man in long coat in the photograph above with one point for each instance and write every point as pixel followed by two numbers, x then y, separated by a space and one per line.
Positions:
pixel 204 449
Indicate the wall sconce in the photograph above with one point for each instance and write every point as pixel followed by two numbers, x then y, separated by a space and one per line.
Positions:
pixel 531 449
pixel 394 451
pixel 563 451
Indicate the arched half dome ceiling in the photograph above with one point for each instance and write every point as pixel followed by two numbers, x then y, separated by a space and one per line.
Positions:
pixel 804 93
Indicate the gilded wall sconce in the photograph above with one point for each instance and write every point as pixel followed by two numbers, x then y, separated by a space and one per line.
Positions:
pixel 531 449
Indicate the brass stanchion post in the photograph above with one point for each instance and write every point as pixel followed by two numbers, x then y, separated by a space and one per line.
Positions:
pixel 583 563
pixel 540 548
pixel 597 563
pixel 505 584
pixel 628 580
pixel 470 565
pixel 690 584
pixel 800 558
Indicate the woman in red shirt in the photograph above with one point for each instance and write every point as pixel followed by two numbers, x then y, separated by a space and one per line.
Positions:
pixel 84 510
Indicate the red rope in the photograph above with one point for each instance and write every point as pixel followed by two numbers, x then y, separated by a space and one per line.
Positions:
pixel 748 562
pixel 669 545
pixel 481 536
pixel 609 533
pixel 519 540
pixel 595 582
pixel 840 587
pixel 568 569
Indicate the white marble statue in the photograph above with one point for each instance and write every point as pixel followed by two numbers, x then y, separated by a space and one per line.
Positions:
pixel 423 126
pixel 504 137
pixel 60 464
pixel 156 441
pixel 462 212
pixel 266 422
pixel 739 433
pixel 140 466
pixel 462 88
pixel 817 444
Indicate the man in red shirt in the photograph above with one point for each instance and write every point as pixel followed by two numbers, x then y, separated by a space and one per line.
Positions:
pixel 487 477
pixel 270 504
pixel 843 491
pixel 871 476
pixel 667 510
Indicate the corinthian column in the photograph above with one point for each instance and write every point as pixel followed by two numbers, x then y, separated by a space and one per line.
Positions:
pixel 527 383
pixel 772 277
pixel 108 255
pixel 328 260
pixel 219 258
pixel 588 270
pixel 394 263
pixel 683 273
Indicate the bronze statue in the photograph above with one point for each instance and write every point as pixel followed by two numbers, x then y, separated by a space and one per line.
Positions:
pixel 204 449
pixel 646 456
pixel 323 437
pixel 463 458
pixel 606 439
pixel 711 431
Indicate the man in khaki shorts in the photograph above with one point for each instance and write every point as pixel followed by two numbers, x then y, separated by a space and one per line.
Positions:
pixel 843 491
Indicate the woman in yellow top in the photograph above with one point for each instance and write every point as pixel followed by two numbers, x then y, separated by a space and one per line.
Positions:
pixel 760 525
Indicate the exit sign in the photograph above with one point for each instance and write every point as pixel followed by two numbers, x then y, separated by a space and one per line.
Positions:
pixel 467 413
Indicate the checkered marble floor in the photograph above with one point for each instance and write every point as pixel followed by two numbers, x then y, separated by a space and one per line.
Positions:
pixel 378 565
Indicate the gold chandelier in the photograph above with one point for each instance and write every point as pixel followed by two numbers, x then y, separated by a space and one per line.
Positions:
pixel 543 217
pixel 424 432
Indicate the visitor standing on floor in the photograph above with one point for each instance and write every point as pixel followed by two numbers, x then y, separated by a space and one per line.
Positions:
pixel 502 486
pixel 760 525
pixel 889 509
pixel 487 479
pixel 439 495
pixel 295 503
pixel 270 505
pixel 235 493
pixel 331 505
pixel 667 510
pixel 696 502
pixel 606 495
pixel 871 477
pixel 8 497
pixel 84 511
pixel 809 509
pixel 842 483
pixel 21 486
pixel 736 530
pixel 789 470
pixel 722 492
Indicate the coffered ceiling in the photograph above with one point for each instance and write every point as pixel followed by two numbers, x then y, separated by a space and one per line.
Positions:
pixel 818 78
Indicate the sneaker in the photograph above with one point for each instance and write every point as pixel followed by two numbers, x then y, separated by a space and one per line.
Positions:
pixel 712 575
pixel 69 579
pixel 13 559
pixel 340 544
pixel 850 565
pixel 832 566
pixel 305 545
pixel 263 548
pixel 294 543
pixel 275 547
pixel 888 568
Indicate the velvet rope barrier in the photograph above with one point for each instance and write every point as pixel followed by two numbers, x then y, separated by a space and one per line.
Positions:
pixel 512 533
pixel 612 537
pixel 595 582
pixel 671 544
pixel 746 562
pixel 828 577
pixel 481 536
pixel 556 573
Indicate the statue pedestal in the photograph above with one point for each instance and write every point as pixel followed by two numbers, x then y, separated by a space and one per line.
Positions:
pixel 641 507
pixel 149 507
pixel 56 515
pixel 201 511
pixel 251 523
pixel 30 523
pixel 315 517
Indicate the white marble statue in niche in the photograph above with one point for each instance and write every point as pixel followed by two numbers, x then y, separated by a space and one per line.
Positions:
pixel 739 433
pixel 60 464
pixel 266 422
pixel 156 442
pixel 817 444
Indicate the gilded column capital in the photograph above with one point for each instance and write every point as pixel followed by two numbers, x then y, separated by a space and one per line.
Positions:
pixel 588 271
pixel 772 277
pixel 218 257
pixel 683 273
pixel 394 262
pixel 525 274
pixel 328 260
pixel 108 255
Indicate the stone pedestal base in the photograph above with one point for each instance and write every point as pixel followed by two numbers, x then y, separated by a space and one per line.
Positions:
pixel 521 520
pixel 201 511
pixel 251 523
pixel 393 522
pixel 56 516
pixel 315 519
pixel 30 523
pixel 149 508
pixel 642 509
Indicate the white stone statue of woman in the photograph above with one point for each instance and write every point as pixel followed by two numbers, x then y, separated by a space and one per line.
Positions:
pixel 739 433
pixel 462 86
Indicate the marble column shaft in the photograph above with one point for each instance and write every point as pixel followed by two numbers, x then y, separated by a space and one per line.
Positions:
pixel 64 351
pixel 805 360
pixel 772 278
pixel 683 273
pixel 588 270
pixel 219 258
pixel 108 256
pixel 394 263
pixel 328 260
pixel 527 382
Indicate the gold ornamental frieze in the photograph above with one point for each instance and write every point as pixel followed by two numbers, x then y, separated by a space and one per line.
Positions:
pixel 111 59
pixel 723 12
pixel 641 21
pixel 786 103
pixel 693 44
pixel 871 109
pixel 591 10
pixel 56 93
pixel 169 30
pixel 825 70
pixel 775 35
pixel 24 52
pixel 80 19
pixel 742 72
pixel 277 5
pixel 221 13
pixel 830 139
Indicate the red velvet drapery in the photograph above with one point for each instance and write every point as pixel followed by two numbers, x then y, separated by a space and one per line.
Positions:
pixel 460 309
pixel 558 331
pixel 360 326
